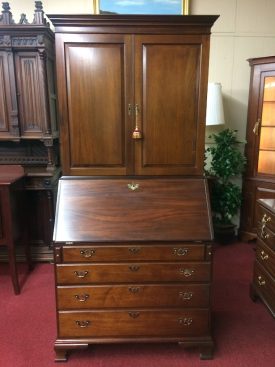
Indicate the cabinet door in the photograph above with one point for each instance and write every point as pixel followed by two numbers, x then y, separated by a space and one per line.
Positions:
pixel 170 91
pixel 8 103
pixel 96 90
pixel 266 155
pixel 29 79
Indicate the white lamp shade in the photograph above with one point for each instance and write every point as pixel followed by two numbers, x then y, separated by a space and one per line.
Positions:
pixel 214 109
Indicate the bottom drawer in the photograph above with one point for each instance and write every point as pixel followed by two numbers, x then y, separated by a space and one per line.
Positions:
pixel 133 323
pixel 265 286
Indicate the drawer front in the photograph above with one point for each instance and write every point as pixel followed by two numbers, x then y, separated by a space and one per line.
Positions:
pixel 265 234
pixel 133 295
pixel 133 323
pixel 265 285
pixel 265 217
pixel 266 257
pixel 132 272
pixel 133 252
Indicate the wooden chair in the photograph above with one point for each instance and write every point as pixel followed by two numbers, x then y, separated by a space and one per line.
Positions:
pixel 13 217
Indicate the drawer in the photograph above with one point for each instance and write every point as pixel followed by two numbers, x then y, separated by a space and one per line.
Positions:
pixel 265 217
pixel 265 286
pixel 133 323
pixel 132 272
pixel 133 295
pixel 265 234
pixel 266 257
pixel 133 252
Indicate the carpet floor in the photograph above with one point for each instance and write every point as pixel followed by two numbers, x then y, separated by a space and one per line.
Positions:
pixel 244 331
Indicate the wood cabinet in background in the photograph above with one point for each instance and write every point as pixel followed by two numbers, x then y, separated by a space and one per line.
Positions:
pixel 132 97
pixel 28 116
pixel 259 180
pixel 263 283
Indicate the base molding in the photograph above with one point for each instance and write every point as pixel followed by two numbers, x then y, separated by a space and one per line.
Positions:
pixel 205 345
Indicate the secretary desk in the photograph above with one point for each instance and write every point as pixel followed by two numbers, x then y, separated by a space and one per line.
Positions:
pixel 133 227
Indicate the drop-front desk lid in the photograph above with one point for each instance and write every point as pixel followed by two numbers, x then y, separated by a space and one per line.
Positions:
pixel 96 209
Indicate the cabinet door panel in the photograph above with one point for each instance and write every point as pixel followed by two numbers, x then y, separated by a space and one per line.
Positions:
pixel 97 91
pixel 28 74
pixel 8 104
pixel 168 76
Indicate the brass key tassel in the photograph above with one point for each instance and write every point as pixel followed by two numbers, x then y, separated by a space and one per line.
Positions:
pixel 137 134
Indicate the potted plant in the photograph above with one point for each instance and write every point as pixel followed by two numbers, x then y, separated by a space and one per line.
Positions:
pixel 226 163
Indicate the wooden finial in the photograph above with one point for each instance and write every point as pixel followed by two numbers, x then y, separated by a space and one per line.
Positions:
pixel 39 13
pixel 6 17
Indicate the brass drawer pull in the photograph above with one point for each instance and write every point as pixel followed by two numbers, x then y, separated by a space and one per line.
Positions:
pixel 81 274
pixel 266 219
pixel 134 250
pixel 186 295
pixel 133 314
pixel 84 323
pixel 186 272
pixel 133 186
pixel 180 251
pixel 134 267
pixel 87 252
pixel 264 256
pixel 261 281
pixel 186 321
pixel 81 297
pixel 134 290
pixel 264 235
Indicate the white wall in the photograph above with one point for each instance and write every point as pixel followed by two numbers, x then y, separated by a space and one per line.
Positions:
pixel 245 29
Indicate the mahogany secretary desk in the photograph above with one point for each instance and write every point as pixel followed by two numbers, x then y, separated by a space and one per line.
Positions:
pixel 133 226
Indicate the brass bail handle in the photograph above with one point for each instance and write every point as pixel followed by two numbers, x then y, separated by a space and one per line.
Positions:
pixel 137 134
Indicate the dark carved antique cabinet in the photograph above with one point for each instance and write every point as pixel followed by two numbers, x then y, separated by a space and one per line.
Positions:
pixel 259 181
pixel 133 230
pixel 28 120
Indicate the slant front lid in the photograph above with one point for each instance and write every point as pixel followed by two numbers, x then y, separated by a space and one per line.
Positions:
pixel 132 210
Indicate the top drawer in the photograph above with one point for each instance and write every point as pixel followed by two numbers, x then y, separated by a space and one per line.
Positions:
pixel 265 214
pixel 128 252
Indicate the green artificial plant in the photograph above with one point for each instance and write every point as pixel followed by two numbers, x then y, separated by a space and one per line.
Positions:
pixel 226 163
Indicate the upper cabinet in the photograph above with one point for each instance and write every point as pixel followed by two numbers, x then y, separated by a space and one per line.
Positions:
pixel 132 93
pixel 260 149
pixel 27 87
